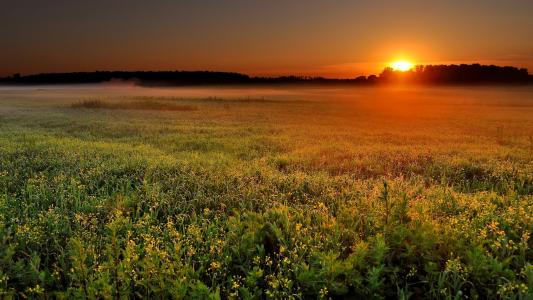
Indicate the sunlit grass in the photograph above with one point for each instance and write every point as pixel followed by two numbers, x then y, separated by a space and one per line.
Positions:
pixel 374 194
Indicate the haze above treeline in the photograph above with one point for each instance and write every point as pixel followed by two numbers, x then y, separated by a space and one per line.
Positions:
pixel 463 74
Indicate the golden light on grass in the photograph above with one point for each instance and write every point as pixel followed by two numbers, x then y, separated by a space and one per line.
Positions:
pixel 402 65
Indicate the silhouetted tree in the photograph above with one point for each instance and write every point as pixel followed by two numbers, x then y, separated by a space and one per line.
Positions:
pixel 457 74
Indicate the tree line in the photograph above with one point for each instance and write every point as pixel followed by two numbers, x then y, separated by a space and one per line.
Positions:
pixel 457 74
pixel 423 74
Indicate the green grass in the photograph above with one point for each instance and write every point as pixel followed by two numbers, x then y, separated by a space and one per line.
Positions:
pixel 361 193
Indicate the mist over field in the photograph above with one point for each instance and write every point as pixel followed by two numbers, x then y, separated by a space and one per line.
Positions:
pixel 443 95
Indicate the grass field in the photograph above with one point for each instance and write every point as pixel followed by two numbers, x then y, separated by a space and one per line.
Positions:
pixel 269 193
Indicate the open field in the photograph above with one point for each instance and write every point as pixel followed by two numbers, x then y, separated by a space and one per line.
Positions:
pixel 266 193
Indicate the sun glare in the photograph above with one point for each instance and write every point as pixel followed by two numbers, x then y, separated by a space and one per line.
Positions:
pixel 402 65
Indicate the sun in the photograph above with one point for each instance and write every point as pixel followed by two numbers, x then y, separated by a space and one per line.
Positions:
pixel 401 65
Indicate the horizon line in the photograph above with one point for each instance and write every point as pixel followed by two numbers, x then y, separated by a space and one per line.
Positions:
pixel 281 75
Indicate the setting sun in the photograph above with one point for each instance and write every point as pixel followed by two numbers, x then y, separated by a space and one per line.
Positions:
pixel 402 65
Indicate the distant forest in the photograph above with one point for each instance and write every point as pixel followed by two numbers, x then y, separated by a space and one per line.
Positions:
pixel 428 75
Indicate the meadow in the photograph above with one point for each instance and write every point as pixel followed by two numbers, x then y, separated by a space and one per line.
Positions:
pixel 270 193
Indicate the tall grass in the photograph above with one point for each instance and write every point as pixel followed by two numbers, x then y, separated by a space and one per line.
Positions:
pixel 283 200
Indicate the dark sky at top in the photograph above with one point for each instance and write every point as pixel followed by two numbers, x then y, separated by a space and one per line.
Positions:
pixel 330 38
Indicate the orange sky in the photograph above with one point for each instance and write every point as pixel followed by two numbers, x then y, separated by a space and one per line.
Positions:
pixel 337 38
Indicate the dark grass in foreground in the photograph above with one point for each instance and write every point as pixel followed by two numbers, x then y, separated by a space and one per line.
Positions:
pixel 395 196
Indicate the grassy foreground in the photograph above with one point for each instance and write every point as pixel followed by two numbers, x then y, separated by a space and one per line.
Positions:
pixel 339 194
